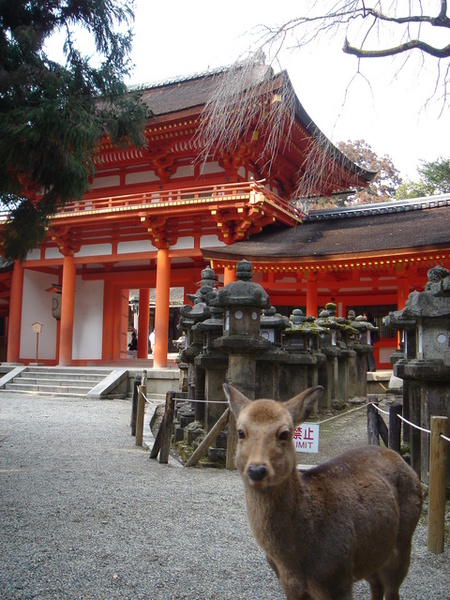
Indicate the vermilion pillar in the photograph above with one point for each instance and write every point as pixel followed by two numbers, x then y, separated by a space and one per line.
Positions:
pixel 229 275
pixel 162 308
pixel 15 313
pixel 144 306
pixel 67 311
pixel 311 297
pixel 108 322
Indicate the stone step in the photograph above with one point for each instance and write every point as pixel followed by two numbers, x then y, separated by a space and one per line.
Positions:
pixel 63 374
pixel 71 390
pixel 66 381
pixel 59 381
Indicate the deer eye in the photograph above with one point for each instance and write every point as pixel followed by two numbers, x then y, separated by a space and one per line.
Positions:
pixel 241 434
pixel 284 435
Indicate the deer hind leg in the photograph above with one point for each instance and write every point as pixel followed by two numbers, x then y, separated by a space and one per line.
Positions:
pixel 394 571
pixel 376 588
pixel 273 566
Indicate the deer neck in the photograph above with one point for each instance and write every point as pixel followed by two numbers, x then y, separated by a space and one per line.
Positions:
pixel 276 515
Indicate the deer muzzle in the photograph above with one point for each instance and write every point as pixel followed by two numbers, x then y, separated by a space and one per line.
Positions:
pixel 257 472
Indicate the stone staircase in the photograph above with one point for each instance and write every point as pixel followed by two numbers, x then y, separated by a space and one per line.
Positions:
pixel 60 381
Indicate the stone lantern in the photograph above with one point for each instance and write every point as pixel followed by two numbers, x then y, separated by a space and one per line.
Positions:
pixel 428 372
pixel 361 343
pixel 297 337
pixel 214 363
pixel 329 371
pixel 300 340
pixel 190 316
pixel 272 325
pixel 242 302
pixel 270 379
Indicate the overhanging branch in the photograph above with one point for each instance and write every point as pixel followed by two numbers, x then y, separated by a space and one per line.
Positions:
pixel 407 46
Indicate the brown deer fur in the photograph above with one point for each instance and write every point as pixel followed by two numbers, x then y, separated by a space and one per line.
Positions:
pixel 348 519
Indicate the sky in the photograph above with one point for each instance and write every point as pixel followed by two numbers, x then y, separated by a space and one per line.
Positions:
pixel 384 105
pixel 386 102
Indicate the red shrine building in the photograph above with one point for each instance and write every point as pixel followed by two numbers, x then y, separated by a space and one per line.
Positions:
pixel 153 218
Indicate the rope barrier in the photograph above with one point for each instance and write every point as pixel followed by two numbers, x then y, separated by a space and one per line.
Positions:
pixel 341 415
pixel 385 412
pixel 409 423
pixel 325 420
pixel 191 400
pixel 414 425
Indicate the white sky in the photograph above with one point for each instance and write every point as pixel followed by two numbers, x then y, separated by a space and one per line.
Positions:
pixel 387 105
pixel 182 38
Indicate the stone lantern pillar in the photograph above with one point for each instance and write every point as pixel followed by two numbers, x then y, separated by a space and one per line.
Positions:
pixel 411 387
pixel 300 340
pixel 214 364
pixel 346 360
pixel 190 316
pixel 362 345
pixel 329 371
pixel 242 302
pixel 270 379
pixel 429 369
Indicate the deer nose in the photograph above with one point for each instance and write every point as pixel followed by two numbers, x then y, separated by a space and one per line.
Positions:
pixel 257 472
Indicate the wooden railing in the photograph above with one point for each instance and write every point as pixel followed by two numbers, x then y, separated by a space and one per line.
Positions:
pixel 253 192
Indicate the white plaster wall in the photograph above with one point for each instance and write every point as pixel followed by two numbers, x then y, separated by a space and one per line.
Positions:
pixel 211 167
pixel 206 241
pixel 34 254
pixel 95 250
pixel 53 253
pixel 88 320
pixel 37 306
pixel 102 182
pixel 184 171
pixel 140 177
pixel 140 246
pixel 184 243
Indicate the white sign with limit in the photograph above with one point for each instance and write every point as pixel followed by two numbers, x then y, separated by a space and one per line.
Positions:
pixel 306 438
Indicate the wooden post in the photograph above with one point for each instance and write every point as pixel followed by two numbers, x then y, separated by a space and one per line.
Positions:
pixel 436 506
pixel 141 410
pixel 372 425
pixel 231 443
pixel 395 426
pixel 167 426
pixel 209 439
pixel 134 403
pixel 382 430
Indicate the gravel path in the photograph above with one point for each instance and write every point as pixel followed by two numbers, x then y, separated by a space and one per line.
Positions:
pixel 86 515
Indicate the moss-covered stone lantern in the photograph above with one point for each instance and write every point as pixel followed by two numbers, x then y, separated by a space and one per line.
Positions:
pixel 242 302
pixel 425 366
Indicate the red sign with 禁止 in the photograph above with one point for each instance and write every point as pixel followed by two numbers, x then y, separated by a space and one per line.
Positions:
pixel 306 438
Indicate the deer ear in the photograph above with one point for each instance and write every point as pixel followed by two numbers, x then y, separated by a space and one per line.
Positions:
pixel 301 406
pixel 236 400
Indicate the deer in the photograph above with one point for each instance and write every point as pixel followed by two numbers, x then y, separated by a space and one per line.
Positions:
pixel 348 519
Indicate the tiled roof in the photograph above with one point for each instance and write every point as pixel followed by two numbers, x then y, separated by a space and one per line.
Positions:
pixel 364 229
pixel 183 94
pixel 191 91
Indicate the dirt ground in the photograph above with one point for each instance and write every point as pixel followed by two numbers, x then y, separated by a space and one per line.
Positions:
pixel 339 430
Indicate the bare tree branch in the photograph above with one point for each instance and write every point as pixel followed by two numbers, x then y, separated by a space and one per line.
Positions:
pixel 406 47
pixel 406 20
